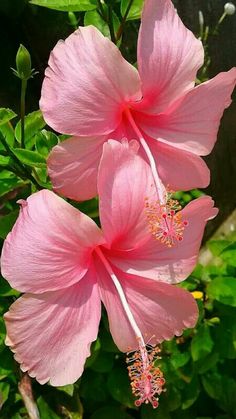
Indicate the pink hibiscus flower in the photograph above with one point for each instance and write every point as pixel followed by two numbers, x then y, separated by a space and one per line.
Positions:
pixel 67 265
pixel 92 93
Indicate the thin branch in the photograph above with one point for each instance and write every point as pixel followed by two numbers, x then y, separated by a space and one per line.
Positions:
pixel 123 21
pixel 110 24
pixel 25 389
pixel 22 111
pixel 101 10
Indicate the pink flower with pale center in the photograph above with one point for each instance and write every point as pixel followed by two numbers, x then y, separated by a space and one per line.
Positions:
pixel 67 265
pixel 92 93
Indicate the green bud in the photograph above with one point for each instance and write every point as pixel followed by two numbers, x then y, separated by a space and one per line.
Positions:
pixel 214 320
pixel 23 63
pixel 72 19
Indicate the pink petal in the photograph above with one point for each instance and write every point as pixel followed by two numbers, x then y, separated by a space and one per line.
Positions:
pixel 169 55
pixel 160 310
pixel 157 261
pixel 86 84
pixel 124 180
pixel 50 245
pixel 51 333
pixel 73 167
pixel 179 169
pixel 193 121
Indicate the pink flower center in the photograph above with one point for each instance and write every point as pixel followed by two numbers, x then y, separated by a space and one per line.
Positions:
pixel 165 221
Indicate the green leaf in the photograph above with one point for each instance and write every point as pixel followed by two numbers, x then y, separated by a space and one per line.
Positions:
pixel 227 401
pixel 34 122
pixel 196 193
pixel 207 363
pixel 217 246
pixel 5 160
pixel 6 362
pixel 67 5
pixel 109 412
pixel 103 362
pixel 4 391
pixel 89 207
pixel 119 386
pixel 223 289
pixel 45 410
pixel 222 388
pixel 173 398
pixel 212 384
pixel 162 412
pixel 95 19
pixel 93 386
pixel 8 133
pixel 6 290
pixel 45 141
pixel 107 342
pixel 68 389
pixel 95 348
pixel 179 359
pixel 229 254
pixel 190 393
pixel 135 9
pixel 7 222
pixel 202 343
pixel 225 336
pixel 30 158
pixel 9 182
pixel 6 115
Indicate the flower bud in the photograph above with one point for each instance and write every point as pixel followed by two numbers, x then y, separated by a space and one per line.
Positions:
pixel 23 63
pixel 229 8
pixel 201 18
pixel 72 19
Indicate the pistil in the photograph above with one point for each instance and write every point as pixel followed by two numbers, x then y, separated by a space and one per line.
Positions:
pixel 158 184
pixel 163 215
pixel 146 379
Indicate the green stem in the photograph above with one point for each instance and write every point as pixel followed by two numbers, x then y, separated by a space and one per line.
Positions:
pixel 123 21
pixel 221 18
pixel 22 111
pixel 101 10
pixel 110 24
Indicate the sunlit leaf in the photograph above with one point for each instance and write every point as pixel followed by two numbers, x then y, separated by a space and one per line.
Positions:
pixel 67 5
pixel 229 254
pixel 34 122
pixel 6 115
pixel 94 18
pixel 223 289
pixel 30 158
pixel 217 246
pixel 9 182
pixel 45 141
pixel 8 133
pixel 135 9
